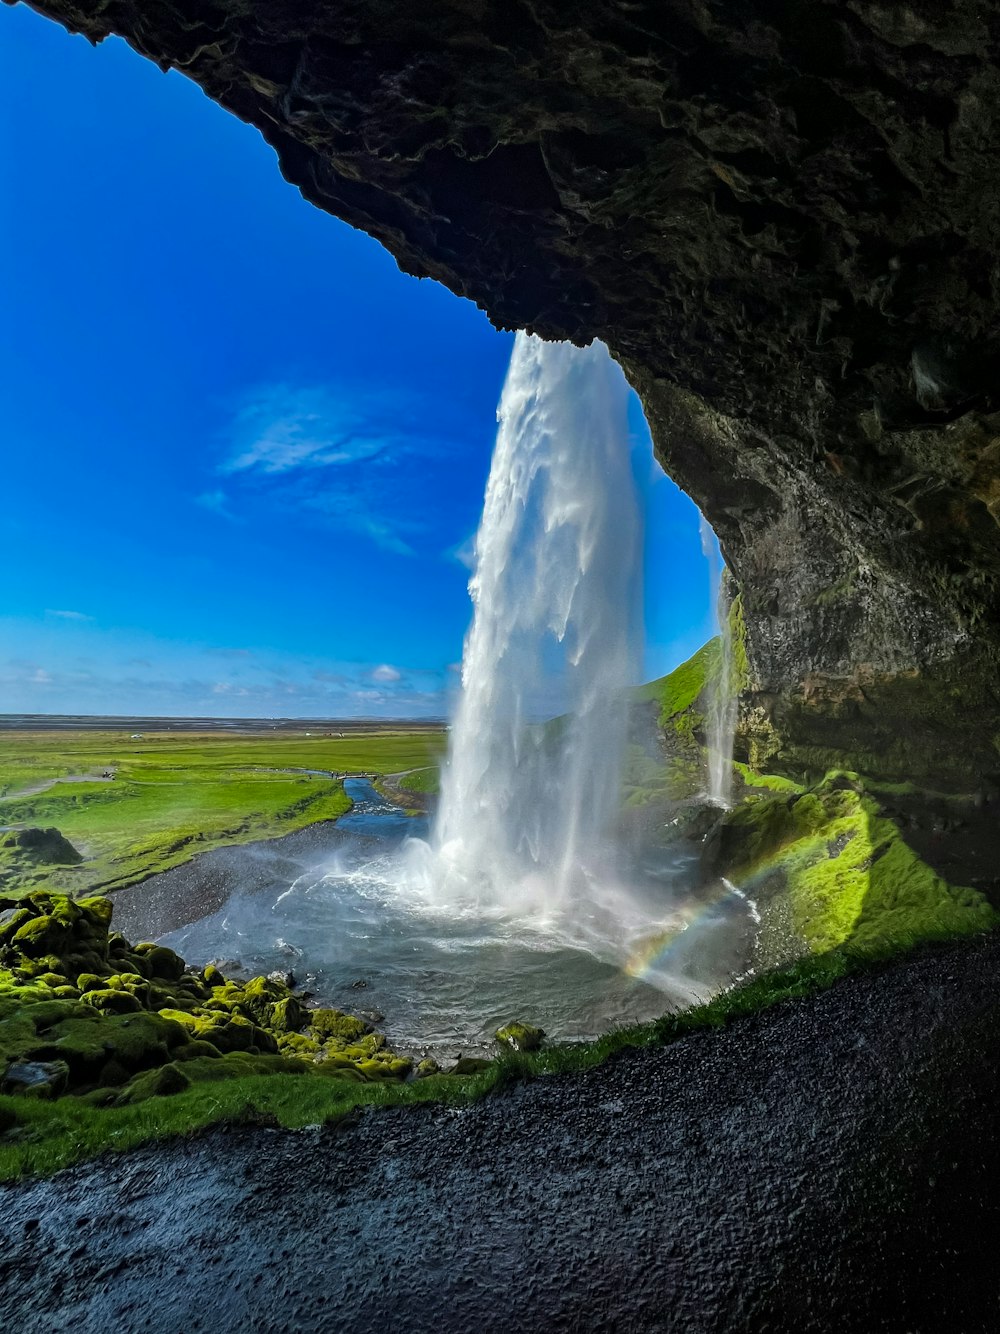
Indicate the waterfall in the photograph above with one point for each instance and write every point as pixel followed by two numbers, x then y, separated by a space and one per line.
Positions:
pixel 722 703
pixel 533 775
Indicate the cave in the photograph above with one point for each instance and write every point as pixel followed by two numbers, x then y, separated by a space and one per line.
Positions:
pixel 781 218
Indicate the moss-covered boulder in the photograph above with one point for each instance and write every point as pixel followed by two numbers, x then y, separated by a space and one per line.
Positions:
pixel 90 1014
pixel 336 1024
pixel 162 962
pixel 44 847
pixel 469 1065
pixel 157 1083
pixel 522 1037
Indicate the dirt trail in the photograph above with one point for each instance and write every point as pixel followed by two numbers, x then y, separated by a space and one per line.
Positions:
pixel 46 783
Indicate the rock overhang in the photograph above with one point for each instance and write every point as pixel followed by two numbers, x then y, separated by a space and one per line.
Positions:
pixel 782 219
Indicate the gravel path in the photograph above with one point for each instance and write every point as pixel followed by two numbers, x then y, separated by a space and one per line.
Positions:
pixel 831 1165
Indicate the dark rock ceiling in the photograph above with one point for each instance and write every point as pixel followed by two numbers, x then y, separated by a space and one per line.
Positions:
pixel 781 217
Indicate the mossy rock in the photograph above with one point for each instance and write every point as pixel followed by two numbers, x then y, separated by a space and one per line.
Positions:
pixel 18 918
pixel 469 1065
pixel 42 935
pixel 44 847
pixel 160 1083
pixel 162 962
pixel 336 1024
pixel 75 993
pixel 194 1050
pixel 297 1044
pixel 427 1067
pixel 522 1037
pixel 110 1001
pixel 87 1041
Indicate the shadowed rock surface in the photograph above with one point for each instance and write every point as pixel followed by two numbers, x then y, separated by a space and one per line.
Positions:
pixel 782 218
pixel 828 1165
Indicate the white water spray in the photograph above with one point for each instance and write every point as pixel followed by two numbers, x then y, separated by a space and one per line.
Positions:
pixel 556 635
pixel 521 902
pixel 722 707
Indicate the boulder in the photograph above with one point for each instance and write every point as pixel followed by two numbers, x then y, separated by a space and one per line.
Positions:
pixel 522 1037
pixel 35 1079
pixel 45 847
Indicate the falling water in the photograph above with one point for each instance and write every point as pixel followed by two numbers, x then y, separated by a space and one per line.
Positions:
pixel 520 901
pixel 722 707
pixel 556 635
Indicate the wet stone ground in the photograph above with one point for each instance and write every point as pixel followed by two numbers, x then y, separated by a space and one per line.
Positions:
pixel 831 1165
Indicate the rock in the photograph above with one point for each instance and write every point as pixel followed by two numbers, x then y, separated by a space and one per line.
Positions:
pixel 427 1067
pixel 42 935
pixel 45 847
pixel 522 1037
pixel 335 1024
pixel 469 1065
pixel 753 214
pixel 36 1079
pixel 109 1000
pixel 163 962
pixel 131 1011
pixel 159 1083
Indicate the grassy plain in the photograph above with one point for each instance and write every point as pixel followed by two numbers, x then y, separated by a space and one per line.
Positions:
pixel 178 794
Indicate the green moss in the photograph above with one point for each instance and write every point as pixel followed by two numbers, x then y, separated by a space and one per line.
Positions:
pixel 845 870
pixel 765 782
pixel 522 1037
pixel 738 639
pixel 159 1083
pixel 334 1024
pixel 469 1065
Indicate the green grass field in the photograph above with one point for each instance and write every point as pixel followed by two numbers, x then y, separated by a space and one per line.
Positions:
pixel 178 794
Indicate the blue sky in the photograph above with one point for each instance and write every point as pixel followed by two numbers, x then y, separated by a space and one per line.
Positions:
pixel 243 452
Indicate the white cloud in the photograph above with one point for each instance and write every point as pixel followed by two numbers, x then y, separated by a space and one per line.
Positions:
pixel 40 677
pixel 68 615
pixel 283 428
pixel 386 673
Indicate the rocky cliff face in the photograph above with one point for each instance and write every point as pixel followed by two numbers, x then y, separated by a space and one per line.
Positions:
pixel 781 217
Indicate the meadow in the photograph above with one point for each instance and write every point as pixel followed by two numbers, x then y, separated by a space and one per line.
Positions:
pixel 176 794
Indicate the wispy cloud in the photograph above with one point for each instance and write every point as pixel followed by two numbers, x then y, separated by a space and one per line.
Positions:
pixel 284 428
pixel 363 462
pixel 351 511
pixel 68 615
pixel 218 502
pixel 385 673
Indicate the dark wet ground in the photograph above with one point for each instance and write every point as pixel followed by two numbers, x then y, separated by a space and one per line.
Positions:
pixel 831 1165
